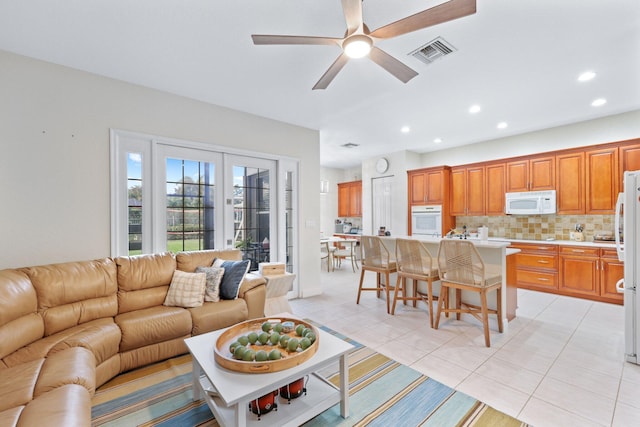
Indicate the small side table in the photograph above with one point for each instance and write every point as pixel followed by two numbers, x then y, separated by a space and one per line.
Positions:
pixel 277 288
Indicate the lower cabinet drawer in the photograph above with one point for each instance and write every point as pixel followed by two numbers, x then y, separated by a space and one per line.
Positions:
pixel 537 279
pixel 537 261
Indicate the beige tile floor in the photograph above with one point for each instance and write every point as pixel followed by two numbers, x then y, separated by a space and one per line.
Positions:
pixel 559 364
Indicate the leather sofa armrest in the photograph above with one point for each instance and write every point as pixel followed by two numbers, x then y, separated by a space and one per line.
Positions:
pixel 254 291
pixel 249 282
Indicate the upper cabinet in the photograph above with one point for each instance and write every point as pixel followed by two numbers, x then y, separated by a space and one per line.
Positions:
pixel 350 199
pixel 570 183
pixel 629 158
pixel 495 185
pixel 531 174
pixel 467 190
pixel 428 186
pixel 601 180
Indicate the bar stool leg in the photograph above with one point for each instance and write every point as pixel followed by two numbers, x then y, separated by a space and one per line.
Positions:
pixel 485 317
pixel 395 294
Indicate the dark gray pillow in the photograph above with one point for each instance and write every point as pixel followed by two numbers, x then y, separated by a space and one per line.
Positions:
pixel 234 272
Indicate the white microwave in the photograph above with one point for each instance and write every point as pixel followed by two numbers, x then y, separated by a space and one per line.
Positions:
pixel 530 203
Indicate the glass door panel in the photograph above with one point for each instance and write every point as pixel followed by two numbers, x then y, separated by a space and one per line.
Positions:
pixel 190 210
pixel 251 197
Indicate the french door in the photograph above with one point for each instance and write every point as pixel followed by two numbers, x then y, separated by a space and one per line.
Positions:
pixel 250 199
pixel 173 195
pixel 210 200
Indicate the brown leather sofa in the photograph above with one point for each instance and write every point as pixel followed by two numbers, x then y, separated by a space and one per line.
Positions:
pixel 66 329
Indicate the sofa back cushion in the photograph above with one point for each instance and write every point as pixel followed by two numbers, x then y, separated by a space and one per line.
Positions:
pixel 189 260
pixel 20 324
pixel 143 280
pixel 73 293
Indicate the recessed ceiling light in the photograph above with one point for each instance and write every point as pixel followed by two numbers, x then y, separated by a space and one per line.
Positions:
pixel 474 109
pixel 598 102
pixel 586 76
pixel 502 125
pixel 405 129
pixel 437 140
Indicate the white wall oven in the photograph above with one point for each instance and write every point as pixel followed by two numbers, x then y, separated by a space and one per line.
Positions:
pixel 426 220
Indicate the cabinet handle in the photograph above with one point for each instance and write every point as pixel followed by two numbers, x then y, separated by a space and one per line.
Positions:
pixel 542 279
pixel 543 248
pixel 540 261
pixel 577 250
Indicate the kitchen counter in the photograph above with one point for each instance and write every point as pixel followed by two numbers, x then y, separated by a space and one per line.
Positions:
pixel 608 245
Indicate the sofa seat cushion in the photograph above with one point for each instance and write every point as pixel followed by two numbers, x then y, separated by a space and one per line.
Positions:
pixel 69 405
pixel 152 325
pixel 217 315
pixel 101 336
pixel 17 384
pixel 22 383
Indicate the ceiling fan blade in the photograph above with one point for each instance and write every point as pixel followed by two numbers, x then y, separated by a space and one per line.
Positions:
pixel 274 39
pixel 453 9
pixel 331 73
pixel 392 65
pixel 352 10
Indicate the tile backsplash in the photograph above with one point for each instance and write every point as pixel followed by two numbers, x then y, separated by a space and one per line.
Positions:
pixel 539 227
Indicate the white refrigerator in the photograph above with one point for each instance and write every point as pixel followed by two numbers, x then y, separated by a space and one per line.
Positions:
pixel 628 207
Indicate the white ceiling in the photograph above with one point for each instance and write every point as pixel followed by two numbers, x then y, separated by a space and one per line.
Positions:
pixel 518 59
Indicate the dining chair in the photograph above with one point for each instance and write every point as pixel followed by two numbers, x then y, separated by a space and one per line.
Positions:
pixel 461 267
pixel 346 249
pixel 414 262
pixel 374 256
pixel 326 252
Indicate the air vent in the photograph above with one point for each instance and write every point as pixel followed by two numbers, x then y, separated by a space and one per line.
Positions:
pixel 433 50
pixel 350 145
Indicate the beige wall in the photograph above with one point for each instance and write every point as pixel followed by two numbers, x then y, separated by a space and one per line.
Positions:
pixel 54 166
pixel 618 127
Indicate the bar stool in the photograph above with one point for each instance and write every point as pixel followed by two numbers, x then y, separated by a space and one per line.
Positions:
pixel 461 268
pixel 374 256
pixel 414 262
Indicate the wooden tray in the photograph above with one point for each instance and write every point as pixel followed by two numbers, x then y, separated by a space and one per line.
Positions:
pixel 223 356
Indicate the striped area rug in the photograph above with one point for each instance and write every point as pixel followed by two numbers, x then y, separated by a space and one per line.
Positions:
pixel 382 392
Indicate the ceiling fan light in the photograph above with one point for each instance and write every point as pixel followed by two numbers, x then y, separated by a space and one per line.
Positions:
pixel 357 46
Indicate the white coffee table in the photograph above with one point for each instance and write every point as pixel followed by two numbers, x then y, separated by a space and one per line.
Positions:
pixel 229 393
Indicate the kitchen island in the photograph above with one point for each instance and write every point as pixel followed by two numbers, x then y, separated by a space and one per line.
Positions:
pixel 492 252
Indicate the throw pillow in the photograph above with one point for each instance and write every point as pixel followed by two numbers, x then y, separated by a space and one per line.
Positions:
pixel 186 289
pixel 214 278
pixel 234 272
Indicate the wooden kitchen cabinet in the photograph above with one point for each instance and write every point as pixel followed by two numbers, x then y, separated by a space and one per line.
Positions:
pixel 467 191
pixel 494 189
pixel 428 186
pixel 629 158
pixel 579 274
pixel 531 174
pixel 611 270
pixel 570 198
pixel 601 181
pixel 536 267
pixel 589 272
pixel 350 199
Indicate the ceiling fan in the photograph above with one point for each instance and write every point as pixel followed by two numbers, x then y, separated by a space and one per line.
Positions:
pixel 359 41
